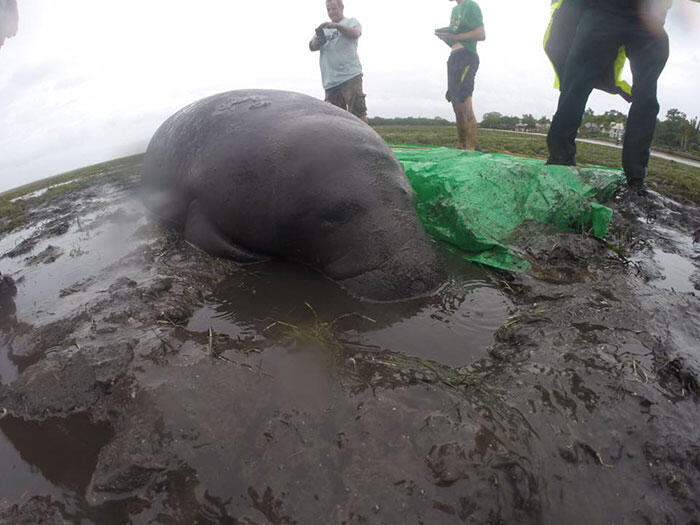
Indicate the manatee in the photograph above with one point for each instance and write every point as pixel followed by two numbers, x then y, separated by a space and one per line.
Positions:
pixel 256 174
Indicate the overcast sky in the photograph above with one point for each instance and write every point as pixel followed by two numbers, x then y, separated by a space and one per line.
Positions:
pixel 86 81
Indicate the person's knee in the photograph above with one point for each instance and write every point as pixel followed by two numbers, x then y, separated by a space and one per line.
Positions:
pixel 647 102
pixel 463 109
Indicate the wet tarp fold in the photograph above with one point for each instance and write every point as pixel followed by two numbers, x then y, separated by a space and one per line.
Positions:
pixel 475 201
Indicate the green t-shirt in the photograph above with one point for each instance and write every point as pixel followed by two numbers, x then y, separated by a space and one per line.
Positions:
pixel 464 18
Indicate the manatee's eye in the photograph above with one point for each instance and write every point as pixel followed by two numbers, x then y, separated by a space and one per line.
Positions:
pixel 340 213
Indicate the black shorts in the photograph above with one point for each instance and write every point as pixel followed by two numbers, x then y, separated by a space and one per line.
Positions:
pixel 461 71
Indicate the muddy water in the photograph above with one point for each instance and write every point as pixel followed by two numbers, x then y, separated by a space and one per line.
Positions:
pixel 94 239
pixel 75 268
pixel 54 454
pixel 95 235
pixel 675 257
pixel 55 458
pixel 453 326
pixel 145 382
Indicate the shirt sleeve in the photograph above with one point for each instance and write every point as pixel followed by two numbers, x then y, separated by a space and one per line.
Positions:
pixel 354 23
pixel 474 16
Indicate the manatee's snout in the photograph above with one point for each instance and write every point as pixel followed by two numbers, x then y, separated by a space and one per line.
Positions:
pixel 413 271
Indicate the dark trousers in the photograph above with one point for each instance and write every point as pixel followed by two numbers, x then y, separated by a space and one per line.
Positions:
pixel 599 36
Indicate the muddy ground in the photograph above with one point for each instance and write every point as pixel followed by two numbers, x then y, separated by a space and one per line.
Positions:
pixel 144 381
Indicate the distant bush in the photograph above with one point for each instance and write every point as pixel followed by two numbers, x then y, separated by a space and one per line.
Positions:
pixel 410 121
pixel 678 132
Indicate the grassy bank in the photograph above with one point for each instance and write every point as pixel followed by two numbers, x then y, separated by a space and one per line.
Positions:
pixel 16 203
pixel 668 177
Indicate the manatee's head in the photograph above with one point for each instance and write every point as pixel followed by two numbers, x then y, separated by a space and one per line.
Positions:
pixel 357 221
pixel 412 271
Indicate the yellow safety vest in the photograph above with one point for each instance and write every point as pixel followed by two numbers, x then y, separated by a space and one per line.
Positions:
pixel 557 43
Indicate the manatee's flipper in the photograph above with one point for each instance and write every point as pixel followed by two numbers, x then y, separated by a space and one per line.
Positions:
pixel 201 232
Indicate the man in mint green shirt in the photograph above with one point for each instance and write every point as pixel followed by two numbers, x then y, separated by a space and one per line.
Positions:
pixel 341 70
pixel 465 30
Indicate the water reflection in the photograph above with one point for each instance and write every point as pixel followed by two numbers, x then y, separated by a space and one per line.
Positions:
pixel 56 457
pixel 453 326
pixel 677 272
pixel 8 309
pixel 64 451
pixel 8 319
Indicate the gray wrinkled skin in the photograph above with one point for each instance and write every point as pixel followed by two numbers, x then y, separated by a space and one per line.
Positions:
pixel 255 174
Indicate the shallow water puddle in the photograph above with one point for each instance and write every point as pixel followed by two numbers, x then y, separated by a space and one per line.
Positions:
pixel 8 370
pixel 92 242
pixel 50 457
pixel 677 272
pixel 674 259
pixel 41 192
pixel 454 326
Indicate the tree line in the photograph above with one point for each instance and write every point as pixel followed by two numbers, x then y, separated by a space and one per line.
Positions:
pixel 676 131
pixel 495 120
pixel 410 121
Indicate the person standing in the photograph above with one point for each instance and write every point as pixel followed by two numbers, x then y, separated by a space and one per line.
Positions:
pixel 602 29
pixel 465 30
pixel 8 19
pixel 341 71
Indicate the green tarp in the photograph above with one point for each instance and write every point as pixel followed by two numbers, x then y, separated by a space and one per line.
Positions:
pixel 475 201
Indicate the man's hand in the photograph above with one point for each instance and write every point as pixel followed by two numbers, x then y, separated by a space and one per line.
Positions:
pixel 477 34
pixel 446 37
pixel 315 44
pixel 345 30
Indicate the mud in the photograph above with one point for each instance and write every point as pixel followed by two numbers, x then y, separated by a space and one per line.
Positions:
pixel 144 381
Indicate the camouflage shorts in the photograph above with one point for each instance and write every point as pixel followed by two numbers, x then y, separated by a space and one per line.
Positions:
pixel 349 96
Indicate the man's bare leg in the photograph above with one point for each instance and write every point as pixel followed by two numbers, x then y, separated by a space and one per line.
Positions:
pixel 461 117
pixel 466 124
